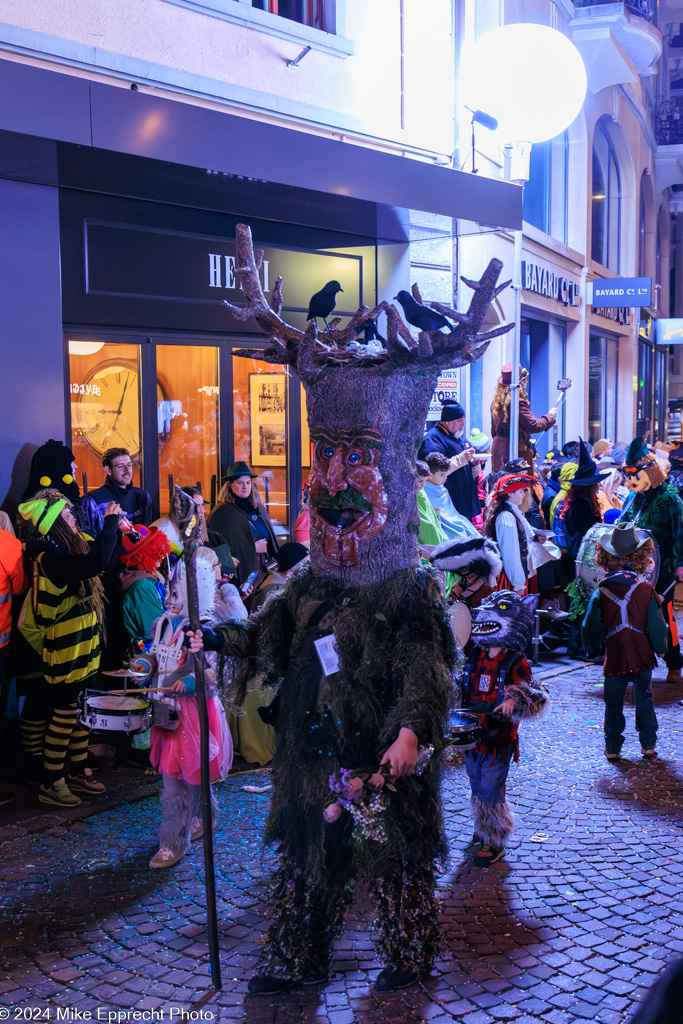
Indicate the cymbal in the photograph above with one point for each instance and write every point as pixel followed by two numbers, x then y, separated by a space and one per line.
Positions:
pixel 124 673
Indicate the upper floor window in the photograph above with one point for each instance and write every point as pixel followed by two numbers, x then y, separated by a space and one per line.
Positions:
pixel 642 230
pixel 658 255
pixel 605 202
pixel 316 13
pixel 545 193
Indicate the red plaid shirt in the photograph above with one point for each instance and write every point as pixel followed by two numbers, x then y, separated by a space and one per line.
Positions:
pixel 484 696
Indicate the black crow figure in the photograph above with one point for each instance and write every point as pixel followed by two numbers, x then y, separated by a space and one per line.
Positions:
pixel 324 301
pixel 370 332
pixel 422 317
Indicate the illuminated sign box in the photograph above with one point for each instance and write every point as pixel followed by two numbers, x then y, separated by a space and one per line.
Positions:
pixel 622 291
pixel 669 332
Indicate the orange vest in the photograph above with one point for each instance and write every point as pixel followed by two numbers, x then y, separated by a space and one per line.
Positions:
pixel 12 580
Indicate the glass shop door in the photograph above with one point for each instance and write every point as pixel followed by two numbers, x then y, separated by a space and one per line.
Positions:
pixel 157 397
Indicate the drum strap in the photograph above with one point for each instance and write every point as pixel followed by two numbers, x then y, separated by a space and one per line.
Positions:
pixel 622 605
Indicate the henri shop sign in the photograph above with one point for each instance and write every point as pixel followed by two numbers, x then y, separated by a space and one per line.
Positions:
pixel 544 281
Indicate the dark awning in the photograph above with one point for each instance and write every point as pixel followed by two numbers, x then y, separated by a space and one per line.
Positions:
pixel 69 109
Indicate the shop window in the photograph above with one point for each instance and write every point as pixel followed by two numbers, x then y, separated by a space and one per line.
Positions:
pixel 603 379
pixel 104 391
pixel 542 352
pixel 661 388
pixel 187 417
pixel 545 193
pixel 261 430
pixel 644 389
pixel 316 13
pixel 605 202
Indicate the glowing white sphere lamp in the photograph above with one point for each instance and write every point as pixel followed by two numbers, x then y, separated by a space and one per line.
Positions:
pixel 532 79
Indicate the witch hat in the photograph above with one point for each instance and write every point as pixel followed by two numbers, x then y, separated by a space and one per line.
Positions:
pixel 587 473
pixel 636 452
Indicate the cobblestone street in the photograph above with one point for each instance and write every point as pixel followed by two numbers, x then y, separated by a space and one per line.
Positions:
pixel 573 925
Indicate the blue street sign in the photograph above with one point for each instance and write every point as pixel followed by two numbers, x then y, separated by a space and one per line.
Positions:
pixel 622 291
pixel 669 332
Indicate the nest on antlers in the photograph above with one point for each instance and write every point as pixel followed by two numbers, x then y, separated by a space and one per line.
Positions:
pixel 311 351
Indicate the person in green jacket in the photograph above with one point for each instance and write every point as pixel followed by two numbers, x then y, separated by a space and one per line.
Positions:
pixel 431 532
pixel 143 590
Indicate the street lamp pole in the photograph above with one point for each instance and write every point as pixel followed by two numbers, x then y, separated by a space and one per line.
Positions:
pixel 516 348
pixel 519 154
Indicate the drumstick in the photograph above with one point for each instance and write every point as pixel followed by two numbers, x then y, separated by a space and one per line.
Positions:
pixel 142 689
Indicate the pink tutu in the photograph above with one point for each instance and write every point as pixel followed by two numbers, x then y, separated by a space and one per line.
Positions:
pixel 176 752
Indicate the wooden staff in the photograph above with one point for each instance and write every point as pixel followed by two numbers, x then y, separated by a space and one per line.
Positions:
pixel 190 525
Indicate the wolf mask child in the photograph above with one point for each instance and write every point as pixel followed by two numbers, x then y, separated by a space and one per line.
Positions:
pixel 504 620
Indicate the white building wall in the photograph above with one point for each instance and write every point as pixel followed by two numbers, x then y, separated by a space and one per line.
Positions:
pixel 623 104
pixel 394 89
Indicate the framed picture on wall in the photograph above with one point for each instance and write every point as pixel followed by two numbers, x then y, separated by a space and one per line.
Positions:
pixel 268 418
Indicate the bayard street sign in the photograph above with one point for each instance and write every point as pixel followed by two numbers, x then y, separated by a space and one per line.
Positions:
pixel 622 291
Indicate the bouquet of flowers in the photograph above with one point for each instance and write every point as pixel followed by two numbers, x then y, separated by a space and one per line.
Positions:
pixel 362 792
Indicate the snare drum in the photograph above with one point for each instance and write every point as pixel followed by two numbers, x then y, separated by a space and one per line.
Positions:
pixel 465 730
pixel 588 571
pixel 111 712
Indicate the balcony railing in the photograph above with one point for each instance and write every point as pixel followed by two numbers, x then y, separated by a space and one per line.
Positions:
pixel 641 8
pixel 669 123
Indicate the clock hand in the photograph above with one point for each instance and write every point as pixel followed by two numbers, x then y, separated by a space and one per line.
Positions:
pixel 123 393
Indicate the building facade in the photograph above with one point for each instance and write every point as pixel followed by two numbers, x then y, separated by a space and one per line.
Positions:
pixel 134 138
pixel 594 208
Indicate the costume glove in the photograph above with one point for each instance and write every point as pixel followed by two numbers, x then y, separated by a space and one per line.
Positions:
pixel 212 641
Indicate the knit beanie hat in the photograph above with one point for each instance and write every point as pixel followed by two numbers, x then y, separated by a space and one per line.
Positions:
pixel 479 440
pixel 451 410
pixel 51 467
pixel 42 512
pixel 289 555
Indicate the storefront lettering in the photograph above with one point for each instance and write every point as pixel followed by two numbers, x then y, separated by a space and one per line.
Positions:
pixel 222 272
pixel 545 282
pixel 85 389
pixel 620 314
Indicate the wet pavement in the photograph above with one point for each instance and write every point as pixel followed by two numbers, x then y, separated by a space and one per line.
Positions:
pixel 573 925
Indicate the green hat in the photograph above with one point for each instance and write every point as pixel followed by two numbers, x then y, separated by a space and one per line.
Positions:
pixel 42 512
pixel 236 469
pixel 479 440
pixel 636 451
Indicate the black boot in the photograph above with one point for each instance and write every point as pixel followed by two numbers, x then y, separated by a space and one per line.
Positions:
pixel 392 978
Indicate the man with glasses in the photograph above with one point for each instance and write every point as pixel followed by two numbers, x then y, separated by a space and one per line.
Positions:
pixel 136 506
pixel 118 486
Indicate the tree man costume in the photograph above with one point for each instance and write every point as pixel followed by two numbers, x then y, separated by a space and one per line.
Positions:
pixel 358 644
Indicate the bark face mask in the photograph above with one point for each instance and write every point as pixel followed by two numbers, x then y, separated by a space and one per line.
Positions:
pixel 348 503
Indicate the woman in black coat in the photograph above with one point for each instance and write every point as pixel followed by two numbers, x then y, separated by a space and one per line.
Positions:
pixel 574 518
pixel 241 517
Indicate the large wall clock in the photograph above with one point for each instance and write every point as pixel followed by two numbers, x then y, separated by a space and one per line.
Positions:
pixel 112 417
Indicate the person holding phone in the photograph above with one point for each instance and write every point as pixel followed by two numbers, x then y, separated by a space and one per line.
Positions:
pixel 241 517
